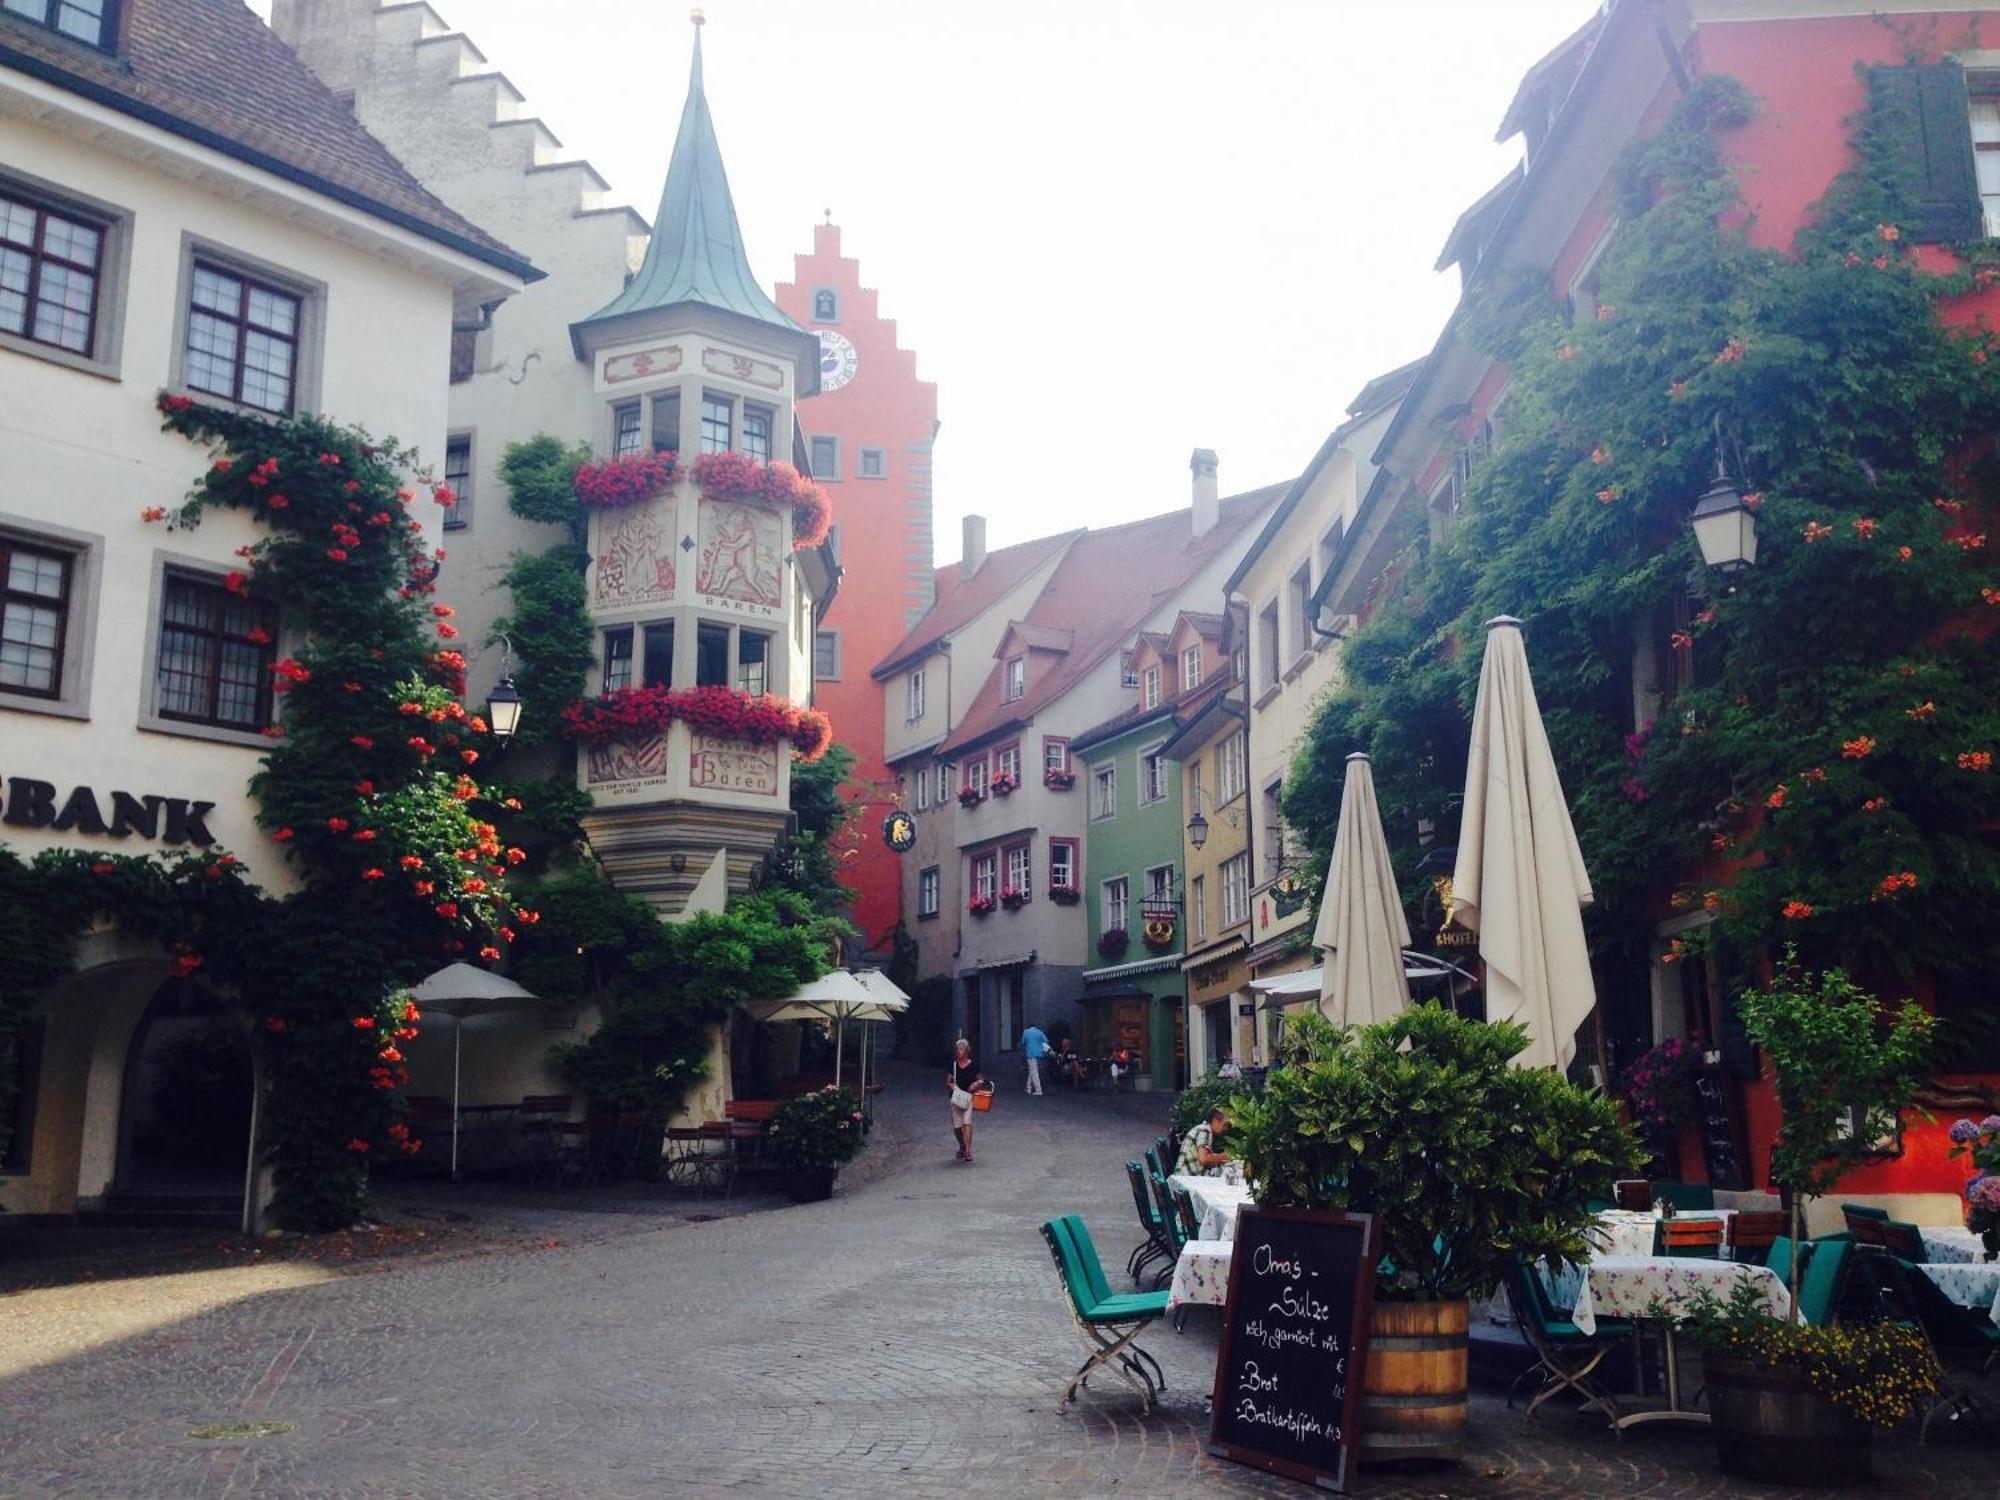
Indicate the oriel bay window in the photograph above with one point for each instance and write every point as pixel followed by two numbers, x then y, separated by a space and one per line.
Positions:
pixel 215 657
pixel 732 656
pixel 242 339
pixel 718 422
pixel 627 429
pixel 753 661
pixel 35 587
pixel 50 266
pixel 757 423
pixel 654 666
pixel 667 422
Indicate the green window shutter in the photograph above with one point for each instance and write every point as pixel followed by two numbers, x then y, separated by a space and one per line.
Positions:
pixel 1923 108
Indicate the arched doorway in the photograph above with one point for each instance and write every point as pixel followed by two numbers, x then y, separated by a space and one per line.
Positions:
pixel 184 1109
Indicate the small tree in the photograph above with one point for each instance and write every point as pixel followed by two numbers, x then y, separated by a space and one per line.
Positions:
pixel 1843 1076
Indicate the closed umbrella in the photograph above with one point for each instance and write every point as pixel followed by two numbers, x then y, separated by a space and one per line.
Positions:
pixel 1520 881
pixel 1362 929
pixel 461 990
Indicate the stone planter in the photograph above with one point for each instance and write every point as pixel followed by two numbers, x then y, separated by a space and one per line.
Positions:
pixel 810 1184
pixel 1770 1425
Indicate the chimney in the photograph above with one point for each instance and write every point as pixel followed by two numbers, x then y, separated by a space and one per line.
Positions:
pixel 972 556
pixel 1207 507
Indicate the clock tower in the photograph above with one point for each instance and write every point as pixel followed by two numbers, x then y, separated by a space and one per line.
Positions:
pixel 869 431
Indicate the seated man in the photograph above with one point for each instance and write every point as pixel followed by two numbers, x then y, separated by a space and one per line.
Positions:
pixel 1121 1064
pixel 1069 1066
pixel 1198 1157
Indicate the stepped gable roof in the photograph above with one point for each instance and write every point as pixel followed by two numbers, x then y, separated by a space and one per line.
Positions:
pixel 696 253
pixel 1103 590
pixel 209 71
pixel 957 604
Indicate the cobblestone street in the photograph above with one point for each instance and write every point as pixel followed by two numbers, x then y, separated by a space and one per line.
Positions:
pixel 905 1339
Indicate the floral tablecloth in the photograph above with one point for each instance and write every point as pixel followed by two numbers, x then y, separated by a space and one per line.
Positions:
pixel 1952 1244
pixel 1622 1232
pixel 1201 1275
pixel 1634 1286
pixel 1215 1203
pixel 1973 1286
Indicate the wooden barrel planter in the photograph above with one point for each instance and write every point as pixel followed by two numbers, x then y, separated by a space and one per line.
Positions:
pixel 1413 1401
pixel 1770 1425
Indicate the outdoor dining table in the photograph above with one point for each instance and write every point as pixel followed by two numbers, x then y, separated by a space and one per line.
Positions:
pixel 1216 1201
pixel 1973 1286
pixel 1621 1231
pixel 1942 1245
pixel 1201 1275
pixel 1661 1289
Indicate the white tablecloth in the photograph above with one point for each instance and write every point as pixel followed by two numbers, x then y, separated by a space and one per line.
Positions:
pixel 1973 1286
pixel 1953 1244
pixel 1622 1232
pixel 1201 1275
pixel 1644 1286
pixel 1215 1203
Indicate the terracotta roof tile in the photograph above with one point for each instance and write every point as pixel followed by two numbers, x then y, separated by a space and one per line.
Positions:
pixel 956 606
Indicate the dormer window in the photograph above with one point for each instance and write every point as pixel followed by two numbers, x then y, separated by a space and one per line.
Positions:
pixel 1190 669
pixel 86 20
pixel 1128 675
pixel 1149 692
pixel 826 305
pixel 1017 677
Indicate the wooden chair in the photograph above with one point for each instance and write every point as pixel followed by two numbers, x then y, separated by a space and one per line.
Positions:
pixel 1903 1240
pixel 1751 1235
pixel 1699 1239
pixel 1106 1323
pixel 1634 1195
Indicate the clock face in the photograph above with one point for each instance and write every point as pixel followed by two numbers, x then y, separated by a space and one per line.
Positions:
pixel 838 360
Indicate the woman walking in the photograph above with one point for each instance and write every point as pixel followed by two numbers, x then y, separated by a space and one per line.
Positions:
pixel 963 1078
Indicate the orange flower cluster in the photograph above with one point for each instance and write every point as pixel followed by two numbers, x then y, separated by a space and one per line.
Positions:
pixel 1975 760
pixel 1815 532
pixel 1859 748
pixel 1795 911
pixel 1891 884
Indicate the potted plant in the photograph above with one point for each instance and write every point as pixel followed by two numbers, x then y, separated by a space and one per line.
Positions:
pixel 1112 942
pixel 1013 897
pixel 1065 895
pixel 1058 781
pixel 970 796
pixel 812 1137
pixel 981 905
pixel 1980 1143
pixel 1003 784
pixel 1659 1086
pixel 1464 1159
pixel 1844 1071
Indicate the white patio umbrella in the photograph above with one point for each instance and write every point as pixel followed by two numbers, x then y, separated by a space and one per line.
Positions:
pixel 461 990
pixel 835 996
pixel 1520 881
pixel 1362 929
pixel 892 1000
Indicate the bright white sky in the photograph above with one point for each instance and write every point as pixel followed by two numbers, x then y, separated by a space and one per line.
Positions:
pixel 1113 230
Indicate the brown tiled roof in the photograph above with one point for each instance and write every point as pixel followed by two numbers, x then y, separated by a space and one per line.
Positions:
pixel 1039 637
pixel 1204 624
pixel 957 604
pixel 211 72
pixel 1178 708
pixel 1104 588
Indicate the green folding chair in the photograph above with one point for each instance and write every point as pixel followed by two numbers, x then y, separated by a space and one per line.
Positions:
pixel 1565 1356
pixel 1106 1322
pixel 1823 1279
pixel 1154 1246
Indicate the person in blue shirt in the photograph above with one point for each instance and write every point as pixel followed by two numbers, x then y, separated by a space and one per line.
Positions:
pixel 1035 1043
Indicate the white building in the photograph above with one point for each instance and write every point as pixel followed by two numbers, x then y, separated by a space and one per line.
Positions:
pixel 162 227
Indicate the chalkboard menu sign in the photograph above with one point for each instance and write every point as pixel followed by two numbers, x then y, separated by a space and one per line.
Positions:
pixel 1721 1133
pixel 1295 1343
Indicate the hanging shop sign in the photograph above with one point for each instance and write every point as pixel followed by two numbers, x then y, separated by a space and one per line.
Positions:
pixel 899 831
pixel 170 820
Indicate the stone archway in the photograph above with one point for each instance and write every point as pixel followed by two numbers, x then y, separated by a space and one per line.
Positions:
pixel 184 1108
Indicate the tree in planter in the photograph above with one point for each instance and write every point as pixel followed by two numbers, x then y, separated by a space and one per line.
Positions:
pixel 1423 1121
pixel 1843 1077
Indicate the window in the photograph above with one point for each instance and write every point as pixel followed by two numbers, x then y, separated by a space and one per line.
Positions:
pixel 1986 147
pixel 975 775
pixel 1017 678
pixel 757 421
pixel 1267 645
pixel 753 661
pixel 242 339
pixel 86 20
pixel 1299 594
pixel 1194 784
pixel 923 789
pixel 666 423
pixel 1062 864
pixel 1055 754
pixel 1117 903
pixel 657 657
pixel 216 652
pixel 1236 890
pixel 986 875
pixel 1149 692
pixel 825 459
pixel 625 429
pixel 1329 548
pixel 51 265
pixel 617 658
pixel 1198 907
pixel 826 656
pixel 1152 778
pixel 1229 769
pixel 458 479
pixel 718 422
pixel 1128 675
pixel 1274 820
pixel 1007 762
pixel 34 618
pixel 874 464
pixel 826 305
pixel 711 656
pixel 1190 669
pixel 943 782
pixel 1160 885
pixel 1104 791
pixel 1020 872
pixel 913 697
pixel 927 892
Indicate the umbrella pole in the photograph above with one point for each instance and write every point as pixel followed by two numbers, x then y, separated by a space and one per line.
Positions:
pixel 457 1032
pixel 839 1039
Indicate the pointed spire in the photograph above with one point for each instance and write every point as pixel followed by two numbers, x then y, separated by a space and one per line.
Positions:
pixel 696 253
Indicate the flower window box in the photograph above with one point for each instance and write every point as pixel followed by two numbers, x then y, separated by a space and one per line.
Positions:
pixel 970 796
pixel 615 483
pixel 726 712
pixel 1058 781
pixel 1003 784
pixel 1065 895
pixel 1013 898
pixel 1112 942
pixel 737 476
pixel 981 906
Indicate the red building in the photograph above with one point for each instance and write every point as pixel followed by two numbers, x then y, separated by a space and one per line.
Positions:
pixel 1810 69
pixel 870 433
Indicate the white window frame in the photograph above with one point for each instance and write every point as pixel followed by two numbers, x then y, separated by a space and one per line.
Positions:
pixel 1235 890
pixel 1104 780
pixel 1007 761
pixel 832 638
pixel 1229 768
pixel 1116 904
pixel 1019 861
pixel 1191 668
pixel 1062 876
pixel 1198 907
pixel 1159 882
pixel 832 474
pixel 986 874
pixel 923 790
pixel 1152 776
pixel 85 551
pixel 1014 678
pixel 1149 687
pixel 944 782
pixel 1060 761
pixel 309 348
pixel 974 774
pixel 930 891
pixel 914 697
pixel 879 458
